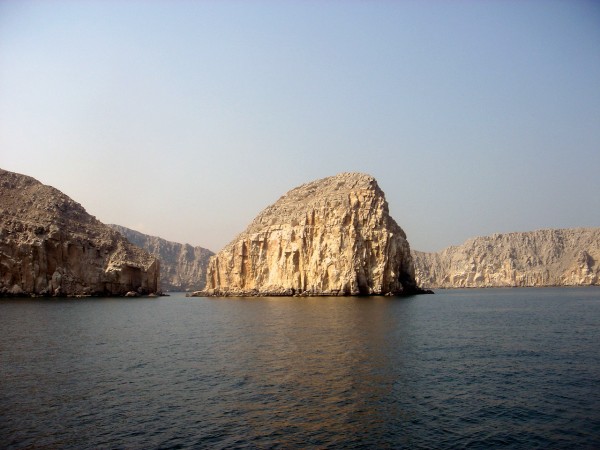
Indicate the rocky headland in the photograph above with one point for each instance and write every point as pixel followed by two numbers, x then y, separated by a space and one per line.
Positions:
pixel 182 267
pixel 49 245
pixel 332 236
pixel 560 257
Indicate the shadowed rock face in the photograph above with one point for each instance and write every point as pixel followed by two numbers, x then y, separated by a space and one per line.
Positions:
pixel 182 267
pixel 49 245
pixel 563 257
pixel 330 237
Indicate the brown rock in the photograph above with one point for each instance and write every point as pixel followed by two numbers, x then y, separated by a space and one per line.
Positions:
pixel 182 267
pixel 329 237
pixel 49 245
pixel 561 257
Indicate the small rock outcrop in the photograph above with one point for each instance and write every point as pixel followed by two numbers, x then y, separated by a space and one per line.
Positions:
pixel 49 245
pixel 329 237
pixel 561 257
pixel 182 267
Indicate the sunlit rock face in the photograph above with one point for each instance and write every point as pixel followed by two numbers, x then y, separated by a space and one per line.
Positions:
pixel 563 257
pixel 182 267
pixel 329 237
pixel 49 245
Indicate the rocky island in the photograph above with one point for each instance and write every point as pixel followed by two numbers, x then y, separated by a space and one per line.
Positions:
pixel 560 257
pixel 49 245
pixel 332 236
pixel 182 267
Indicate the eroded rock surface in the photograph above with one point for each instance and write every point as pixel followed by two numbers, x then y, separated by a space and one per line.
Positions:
pixel 49 245
pixel 329 237
pixel 561 257
pixel 182 267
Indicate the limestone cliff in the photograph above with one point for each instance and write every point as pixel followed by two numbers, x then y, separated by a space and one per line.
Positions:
pixel 329 237
pixel 182 267
pixel 563 257
pixel 49 245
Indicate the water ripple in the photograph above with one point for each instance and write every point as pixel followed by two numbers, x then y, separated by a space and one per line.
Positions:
pixel 461 369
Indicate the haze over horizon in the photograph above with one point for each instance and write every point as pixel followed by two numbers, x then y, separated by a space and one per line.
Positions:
pixel 185 119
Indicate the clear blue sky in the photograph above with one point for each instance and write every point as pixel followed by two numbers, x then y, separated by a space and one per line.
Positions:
pixel 184 119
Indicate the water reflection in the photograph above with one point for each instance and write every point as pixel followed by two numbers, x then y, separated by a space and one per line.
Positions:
pixel 497 367
pixel 321 367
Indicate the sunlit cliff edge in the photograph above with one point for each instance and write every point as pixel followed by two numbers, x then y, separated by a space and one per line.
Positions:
pixel 558 257
pixel 332 236
pixel 49 245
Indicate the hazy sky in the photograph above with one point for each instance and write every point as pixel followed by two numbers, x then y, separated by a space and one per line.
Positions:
pixel 184 119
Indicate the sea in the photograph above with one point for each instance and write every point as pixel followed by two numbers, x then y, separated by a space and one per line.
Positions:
pixel 474 369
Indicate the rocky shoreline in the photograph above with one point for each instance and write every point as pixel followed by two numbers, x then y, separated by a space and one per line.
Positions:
pixel 329 237
pixel 293 293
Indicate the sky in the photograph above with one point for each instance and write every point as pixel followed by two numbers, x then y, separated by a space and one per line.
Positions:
pixel 184 119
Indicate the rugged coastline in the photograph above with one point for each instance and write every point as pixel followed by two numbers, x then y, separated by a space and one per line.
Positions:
pixel 542 258
pixel 50 246
pixel 329 237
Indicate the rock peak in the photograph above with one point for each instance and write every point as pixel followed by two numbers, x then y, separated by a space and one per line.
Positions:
pixel 332 236
pixel 345 181
pixel 318 194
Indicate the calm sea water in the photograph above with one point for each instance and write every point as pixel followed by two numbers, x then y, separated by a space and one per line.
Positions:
pixel 459 369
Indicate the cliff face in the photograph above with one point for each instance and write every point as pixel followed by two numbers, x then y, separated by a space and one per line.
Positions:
pixel 182 267
pixel 567 257
pixel 330 237
pixel 49 245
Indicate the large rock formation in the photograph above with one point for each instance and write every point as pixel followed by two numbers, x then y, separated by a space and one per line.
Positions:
pixel 330 237
pixel 49 245
pixel 182 267
pixel 568 257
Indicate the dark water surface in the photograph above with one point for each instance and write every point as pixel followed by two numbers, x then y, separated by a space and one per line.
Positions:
pixel 459 369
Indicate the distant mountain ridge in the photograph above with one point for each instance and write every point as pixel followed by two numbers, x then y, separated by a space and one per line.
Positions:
pixel 553 257
pixel 182 266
